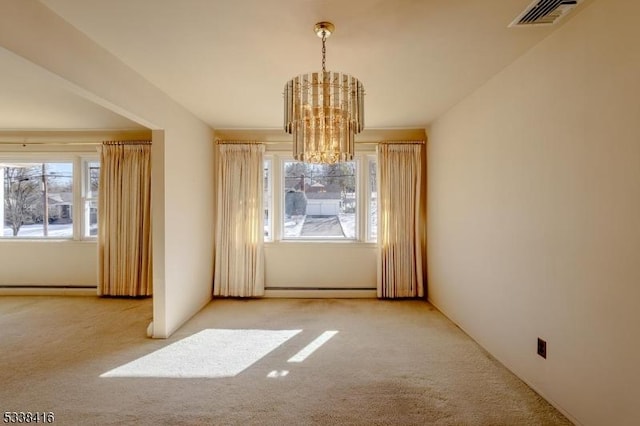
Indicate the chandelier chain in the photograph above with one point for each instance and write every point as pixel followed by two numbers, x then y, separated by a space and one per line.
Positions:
pixel 324 50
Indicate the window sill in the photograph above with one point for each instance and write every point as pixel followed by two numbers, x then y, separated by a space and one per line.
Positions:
pixel 305 242
pixel 25 240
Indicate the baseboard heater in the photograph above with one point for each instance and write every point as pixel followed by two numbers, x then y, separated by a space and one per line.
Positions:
pixel 47 286
pixel 47 290
pixel 320 292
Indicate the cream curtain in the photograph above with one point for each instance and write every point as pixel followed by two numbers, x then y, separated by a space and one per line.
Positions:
pixel 399 220
pixel 239 258
pixel 124 219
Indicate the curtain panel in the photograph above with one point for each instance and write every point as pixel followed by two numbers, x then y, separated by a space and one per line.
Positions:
pixel 124 219
pixel 239 248
pixel 399 220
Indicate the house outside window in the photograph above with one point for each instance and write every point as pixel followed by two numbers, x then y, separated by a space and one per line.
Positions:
pixel 40 198
pixel 319 202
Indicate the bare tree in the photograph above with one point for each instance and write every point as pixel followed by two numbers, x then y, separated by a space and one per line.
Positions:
pixel 341 176
pixel 94 177
pixel 22 191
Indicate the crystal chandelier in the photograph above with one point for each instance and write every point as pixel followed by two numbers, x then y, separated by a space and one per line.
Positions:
pixel 323 110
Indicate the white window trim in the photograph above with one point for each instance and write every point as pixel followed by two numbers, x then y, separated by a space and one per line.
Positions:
pixel 269 197
pixel 369 158
pixel 84 199
pixel 278 158
pixel 78 159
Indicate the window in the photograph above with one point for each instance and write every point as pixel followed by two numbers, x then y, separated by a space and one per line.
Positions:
pixel 39 198
pixel 372 216
pixel 320 200
pixel 90 198
pixel 267 200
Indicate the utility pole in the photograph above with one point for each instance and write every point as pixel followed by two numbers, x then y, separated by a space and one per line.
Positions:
pixel 45 203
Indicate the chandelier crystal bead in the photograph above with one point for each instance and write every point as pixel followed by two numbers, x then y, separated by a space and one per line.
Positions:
pixel 323 111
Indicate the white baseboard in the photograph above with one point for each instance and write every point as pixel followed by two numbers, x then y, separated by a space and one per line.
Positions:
pixel 44 291
pixel 302 293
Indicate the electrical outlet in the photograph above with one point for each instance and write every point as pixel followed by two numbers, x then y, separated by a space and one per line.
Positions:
pixel 542 348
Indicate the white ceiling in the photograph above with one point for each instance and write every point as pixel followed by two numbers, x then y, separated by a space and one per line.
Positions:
pixel 227 60
pixel 33 99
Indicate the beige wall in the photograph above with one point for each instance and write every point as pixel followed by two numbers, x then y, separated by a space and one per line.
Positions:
pixel 48 263
pixel 534 215
pixel 54 262
pixel 305 265
pixel 188 223
pixel 182 151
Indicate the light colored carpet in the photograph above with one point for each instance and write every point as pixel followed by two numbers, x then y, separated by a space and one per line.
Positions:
pixel 375 363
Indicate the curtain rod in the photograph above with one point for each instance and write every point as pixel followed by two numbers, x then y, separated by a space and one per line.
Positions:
pixel 25 143
pixel 400 142
pixel 223 142
pixel 131 142
pixel 76 143
pixel 251 142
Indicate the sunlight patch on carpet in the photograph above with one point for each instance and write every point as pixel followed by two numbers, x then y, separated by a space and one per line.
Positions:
pixel 311 347
pixel 278 373
pixel 211 353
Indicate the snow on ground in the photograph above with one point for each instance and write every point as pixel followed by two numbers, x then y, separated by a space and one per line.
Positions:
pixel 348 222
pixel 293 226
pixel 62 231
pixel 373 209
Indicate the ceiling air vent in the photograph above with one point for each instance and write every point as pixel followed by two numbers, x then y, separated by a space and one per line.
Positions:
pixel 544 12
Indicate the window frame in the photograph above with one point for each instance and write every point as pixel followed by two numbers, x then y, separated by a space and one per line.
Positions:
pixel 78 161
pixel 86 199
pixel 268 197
pixel 289 159
pixel 362 234
pixel 370 159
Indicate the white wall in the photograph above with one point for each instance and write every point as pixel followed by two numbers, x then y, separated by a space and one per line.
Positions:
pixel 534 215
pixel 52 262
pixel 348 267
pixel 188 216
pixel 183 153
pixel 48 263
pixel 320 265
